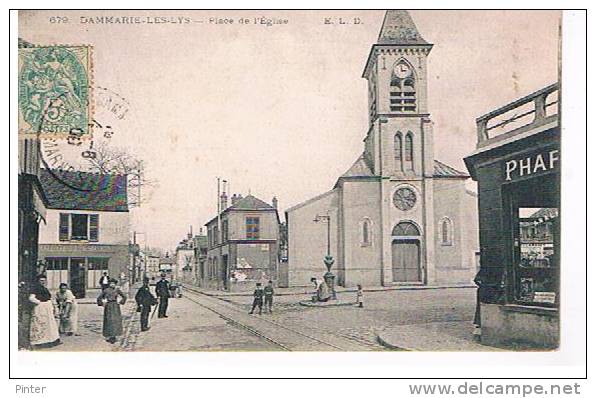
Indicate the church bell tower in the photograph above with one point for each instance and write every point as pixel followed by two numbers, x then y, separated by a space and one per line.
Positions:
pixel 396 71
pixel 399 149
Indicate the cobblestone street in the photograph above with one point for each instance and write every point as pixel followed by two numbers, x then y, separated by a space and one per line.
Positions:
pixel 201 323
pixel 381 310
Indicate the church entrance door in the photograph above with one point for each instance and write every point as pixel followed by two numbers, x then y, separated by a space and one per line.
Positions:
pixel 406 261
pixel 405 251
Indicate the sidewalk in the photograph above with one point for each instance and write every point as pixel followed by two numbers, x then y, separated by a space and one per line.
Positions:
pixel 435 336
pixel 89 335
pixel 294 291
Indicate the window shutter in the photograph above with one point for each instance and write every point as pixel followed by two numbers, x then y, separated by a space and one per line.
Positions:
pixel 93 227
pixel 63 230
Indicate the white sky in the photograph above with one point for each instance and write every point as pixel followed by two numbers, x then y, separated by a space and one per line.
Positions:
pixel 282 110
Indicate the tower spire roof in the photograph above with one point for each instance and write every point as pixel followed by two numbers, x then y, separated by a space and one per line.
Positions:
pixel 399 28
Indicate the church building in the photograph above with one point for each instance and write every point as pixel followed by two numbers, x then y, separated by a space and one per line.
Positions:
pixel 397 215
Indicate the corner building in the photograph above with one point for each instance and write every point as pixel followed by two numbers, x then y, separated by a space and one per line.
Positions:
pixel 397 215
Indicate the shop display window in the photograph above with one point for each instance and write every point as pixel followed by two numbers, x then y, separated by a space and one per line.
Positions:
pixel 537 256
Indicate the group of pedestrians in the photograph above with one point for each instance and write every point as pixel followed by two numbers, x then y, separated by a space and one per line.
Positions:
pixel 145 300
pixel 111 298
pixel 51 317
pixel 261 295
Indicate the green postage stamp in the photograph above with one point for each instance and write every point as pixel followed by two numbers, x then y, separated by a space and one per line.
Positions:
pixel 54 90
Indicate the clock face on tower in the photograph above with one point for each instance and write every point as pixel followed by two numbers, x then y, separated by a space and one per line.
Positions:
pixel 402 70
pixel 404 198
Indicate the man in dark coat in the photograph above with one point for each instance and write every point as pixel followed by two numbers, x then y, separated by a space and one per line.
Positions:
pixel 145 300
pixel 258 299
pixel 162 290
pixel 268 293
pixel 104 281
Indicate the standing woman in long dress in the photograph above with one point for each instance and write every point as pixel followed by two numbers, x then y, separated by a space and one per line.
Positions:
pixel 67 310
pixel 43 330
pixel 111 298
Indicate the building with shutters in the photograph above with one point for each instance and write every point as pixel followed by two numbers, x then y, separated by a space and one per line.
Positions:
pixel 397 215
pixel 244 250
pixel 85 233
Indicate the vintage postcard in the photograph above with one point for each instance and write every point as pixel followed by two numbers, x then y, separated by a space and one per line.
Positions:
pixel 356 180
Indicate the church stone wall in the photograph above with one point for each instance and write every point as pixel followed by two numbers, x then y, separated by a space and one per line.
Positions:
pixel 362 261
pixel 389 129
pixel 454 258
pixel 470 231
pixel 307 240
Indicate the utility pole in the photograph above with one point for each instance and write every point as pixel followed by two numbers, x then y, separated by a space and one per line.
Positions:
pixel 218 236
pixel 222 276
pixel 139 182
pixel 144 274
pixel 134 257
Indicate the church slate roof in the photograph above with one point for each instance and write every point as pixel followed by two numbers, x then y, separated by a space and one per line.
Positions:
pixel 442 171
pixel 399 29
pixel 101 192
pixel 358 169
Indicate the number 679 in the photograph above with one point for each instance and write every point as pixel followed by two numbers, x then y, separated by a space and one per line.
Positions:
pixel 58 19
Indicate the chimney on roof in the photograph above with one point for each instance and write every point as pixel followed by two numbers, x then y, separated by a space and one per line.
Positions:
pixel 224 201
pixel 234 199
pixel 274 202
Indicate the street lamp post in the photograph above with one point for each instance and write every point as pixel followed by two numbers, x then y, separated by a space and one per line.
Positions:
pixel 144 275
pixel 328 260
pixel 224 277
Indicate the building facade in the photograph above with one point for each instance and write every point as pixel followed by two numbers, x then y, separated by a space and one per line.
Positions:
pixel 245 249
pixel 185 258
pixel 201 248
pixel 32 213
pixel 152 266
pixel 517 166
pixel 167 265
pixel 85 233
pixel 397 216
pixel 191 256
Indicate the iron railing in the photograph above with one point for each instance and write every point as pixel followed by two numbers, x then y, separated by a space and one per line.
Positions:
pixel 518 114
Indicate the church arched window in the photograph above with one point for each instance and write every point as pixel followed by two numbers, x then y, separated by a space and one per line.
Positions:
pixel 409 152
pixel 446 232
pixel 402 90
pixel 366 232
pixel 397 149
pixel 405 228
pixel 409 91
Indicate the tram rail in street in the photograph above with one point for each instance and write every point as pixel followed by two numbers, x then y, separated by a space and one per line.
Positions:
pixel 279 335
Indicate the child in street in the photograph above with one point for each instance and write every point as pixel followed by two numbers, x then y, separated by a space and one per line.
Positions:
pixel 269 292
pixel 359 297
pixel 258 299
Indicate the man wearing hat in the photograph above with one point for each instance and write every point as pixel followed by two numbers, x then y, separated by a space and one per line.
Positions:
pixel 258 299
pixel 145 300
pixel 162 290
